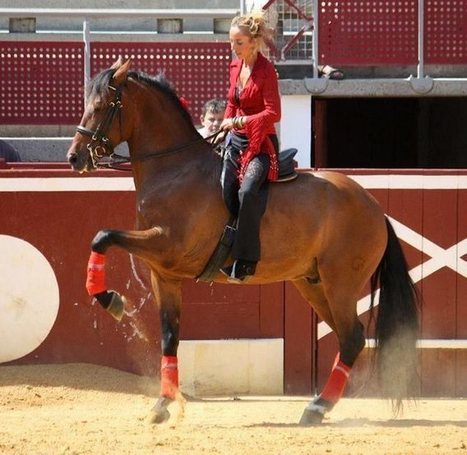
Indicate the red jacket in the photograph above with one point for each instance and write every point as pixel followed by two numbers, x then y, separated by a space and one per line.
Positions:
pixel 260 102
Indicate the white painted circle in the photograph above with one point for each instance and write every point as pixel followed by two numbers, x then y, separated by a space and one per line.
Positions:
pixel 29 298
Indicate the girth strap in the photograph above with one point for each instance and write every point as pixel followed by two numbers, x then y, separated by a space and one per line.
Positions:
pixel 221 252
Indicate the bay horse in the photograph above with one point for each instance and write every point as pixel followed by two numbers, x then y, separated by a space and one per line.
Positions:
pixel 322 231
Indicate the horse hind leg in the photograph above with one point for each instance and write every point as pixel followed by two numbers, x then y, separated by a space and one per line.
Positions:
pixel 314 295
pixel 131 241
pixel 349 349
pixel 342 318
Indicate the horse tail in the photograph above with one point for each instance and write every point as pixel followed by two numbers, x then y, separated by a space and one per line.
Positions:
pixel 396 325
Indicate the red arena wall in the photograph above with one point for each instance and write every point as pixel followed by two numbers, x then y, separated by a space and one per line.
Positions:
pixel 48 218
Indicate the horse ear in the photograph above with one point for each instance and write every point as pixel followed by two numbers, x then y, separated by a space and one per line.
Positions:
pixel 121 73
pixel 118 63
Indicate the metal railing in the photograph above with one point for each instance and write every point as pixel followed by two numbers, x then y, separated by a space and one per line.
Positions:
pixel 414 33
pixel 377 33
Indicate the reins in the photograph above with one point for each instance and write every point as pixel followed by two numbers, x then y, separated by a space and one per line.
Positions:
pixel 116 160
pixel 178 149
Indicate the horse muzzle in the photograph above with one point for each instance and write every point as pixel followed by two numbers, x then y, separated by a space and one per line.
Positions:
pixel 80 162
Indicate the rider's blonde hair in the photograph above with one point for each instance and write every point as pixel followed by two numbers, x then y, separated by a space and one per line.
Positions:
pixel 253 25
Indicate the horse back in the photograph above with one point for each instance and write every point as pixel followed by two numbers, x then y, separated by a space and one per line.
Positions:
pixel 321 214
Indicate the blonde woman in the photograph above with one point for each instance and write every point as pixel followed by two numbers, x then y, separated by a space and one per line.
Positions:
pixel 250 161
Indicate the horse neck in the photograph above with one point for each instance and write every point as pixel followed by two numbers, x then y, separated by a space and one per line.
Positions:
pixel 156 123
pixel 194 158
pixel 196 165
pixel 162 143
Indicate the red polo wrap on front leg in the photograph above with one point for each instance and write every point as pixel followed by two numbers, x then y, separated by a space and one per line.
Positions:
pixel 169 376
pixel 335 386
pixel 95 281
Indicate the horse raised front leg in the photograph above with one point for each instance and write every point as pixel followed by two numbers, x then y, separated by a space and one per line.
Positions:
pixel 132 242
pixel 168 297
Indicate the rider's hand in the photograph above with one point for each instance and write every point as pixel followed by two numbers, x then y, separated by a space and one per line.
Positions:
pixel 227 124
pixel 219 138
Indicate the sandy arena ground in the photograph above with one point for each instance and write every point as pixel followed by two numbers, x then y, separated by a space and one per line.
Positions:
pixel 87 409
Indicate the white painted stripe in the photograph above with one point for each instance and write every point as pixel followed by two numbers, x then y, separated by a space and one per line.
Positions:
pixel 412 182
pixel 58 184
pixel 386 181
pixel 430 344
pixel 440 257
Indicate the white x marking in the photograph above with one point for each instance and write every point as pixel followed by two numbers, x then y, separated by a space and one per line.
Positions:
pixel 439 258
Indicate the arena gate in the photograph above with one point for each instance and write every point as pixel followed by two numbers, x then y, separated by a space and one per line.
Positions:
pixel 49 216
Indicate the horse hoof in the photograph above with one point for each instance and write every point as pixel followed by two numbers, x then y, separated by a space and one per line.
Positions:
pixel 159 413
pixel 311 417
pixel 116 305
pixel 160 416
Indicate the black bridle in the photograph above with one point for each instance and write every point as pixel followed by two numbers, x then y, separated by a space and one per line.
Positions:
pixel 100 145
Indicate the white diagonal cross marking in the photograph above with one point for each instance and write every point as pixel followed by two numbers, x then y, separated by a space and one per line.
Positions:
pixel 440 257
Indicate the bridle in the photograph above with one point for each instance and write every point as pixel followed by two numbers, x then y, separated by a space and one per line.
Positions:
pixel 100 145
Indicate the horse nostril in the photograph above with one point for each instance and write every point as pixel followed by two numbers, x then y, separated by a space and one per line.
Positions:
pixel 72 158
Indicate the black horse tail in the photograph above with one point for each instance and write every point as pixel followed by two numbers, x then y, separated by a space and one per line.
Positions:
pixel 397 324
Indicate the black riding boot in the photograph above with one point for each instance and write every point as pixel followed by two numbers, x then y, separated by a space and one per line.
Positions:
pixel 246 202
pixel 240 271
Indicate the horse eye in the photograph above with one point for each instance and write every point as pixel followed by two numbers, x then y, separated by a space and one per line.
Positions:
pixel 96 108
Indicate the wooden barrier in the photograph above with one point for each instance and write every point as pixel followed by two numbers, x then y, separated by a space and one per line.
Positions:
pixel 48 218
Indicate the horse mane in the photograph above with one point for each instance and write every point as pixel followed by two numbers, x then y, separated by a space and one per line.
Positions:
pixel 99 87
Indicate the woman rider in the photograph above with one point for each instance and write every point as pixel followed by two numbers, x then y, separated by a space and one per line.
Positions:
pixel 250 161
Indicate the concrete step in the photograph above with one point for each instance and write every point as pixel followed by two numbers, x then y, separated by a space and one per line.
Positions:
pixel 47 148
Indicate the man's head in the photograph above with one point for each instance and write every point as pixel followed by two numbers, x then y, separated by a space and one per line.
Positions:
pixel 212 115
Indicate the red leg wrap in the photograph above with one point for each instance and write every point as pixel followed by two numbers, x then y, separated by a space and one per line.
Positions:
pixel 95 281
pixel 336 383
pixel 169 376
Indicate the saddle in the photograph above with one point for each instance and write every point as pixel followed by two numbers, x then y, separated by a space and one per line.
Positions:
pixel 287 173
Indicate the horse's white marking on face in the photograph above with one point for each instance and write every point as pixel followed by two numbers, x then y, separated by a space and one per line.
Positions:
pixel 29 302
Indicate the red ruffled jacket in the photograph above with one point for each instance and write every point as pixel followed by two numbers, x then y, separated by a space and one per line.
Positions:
pixel 260 102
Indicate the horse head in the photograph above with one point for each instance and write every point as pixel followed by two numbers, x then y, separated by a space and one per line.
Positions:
pixel 124 105
pixel 101 128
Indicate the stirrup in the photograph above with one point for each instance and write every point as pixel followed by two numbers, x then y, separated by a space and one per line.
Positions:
pixel 240 271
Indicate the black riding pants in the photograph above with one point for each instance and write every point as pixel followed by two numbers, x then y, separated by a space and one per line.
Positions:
pixel 246 202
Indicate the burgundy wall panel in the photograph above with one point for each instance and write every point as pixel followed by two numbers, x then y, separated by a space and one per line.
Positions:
pixel 430 215
pixel 36 77
pixel 298 343
pixel 61 224
pixel 220 311
pixel 461 284
pixel 372 32
pixel 439 289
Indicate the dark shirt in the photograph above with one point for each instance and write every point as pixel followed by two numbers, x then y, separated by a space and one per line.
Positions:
pixel 8 152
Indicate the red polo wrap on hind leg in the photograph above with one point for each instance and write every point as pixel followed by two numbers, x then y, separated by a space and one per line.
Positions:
pixel 95 281
pixel 335 386
pixel 169 376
